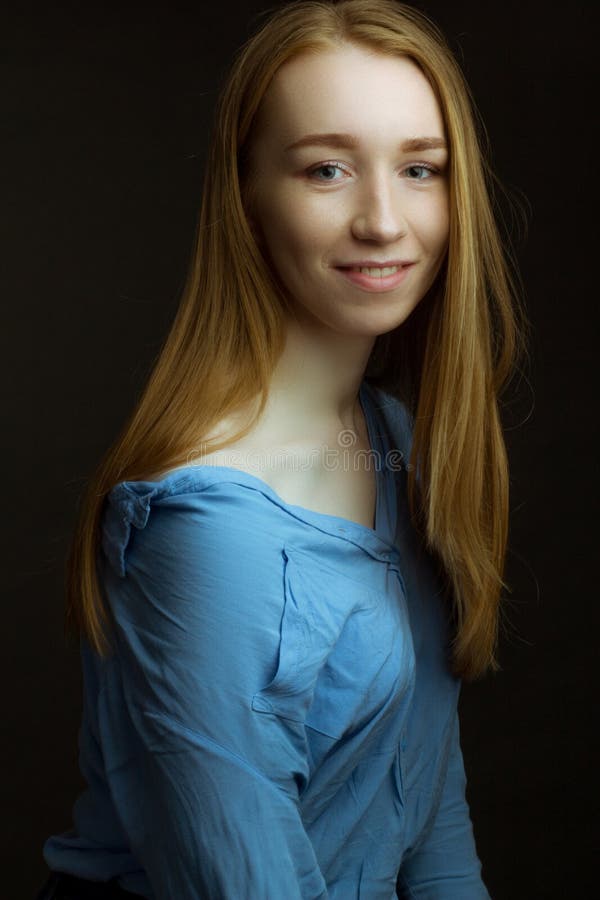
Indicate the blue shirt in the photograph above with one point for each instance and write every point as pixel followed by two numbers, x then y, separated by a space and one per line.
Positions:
pixel 279 721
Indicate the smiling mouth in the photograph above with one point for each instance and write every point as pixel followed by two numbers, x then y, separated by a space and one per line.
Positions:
pixel 375 278
pixel 373 271
pixel 378 271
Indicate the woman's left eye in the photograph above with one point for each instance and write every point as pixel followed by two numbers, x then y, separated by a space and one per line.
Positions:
pixel 423 172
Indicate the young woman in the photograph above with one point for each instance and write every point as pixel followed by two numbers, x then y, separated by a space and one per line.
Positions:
pixel 293 554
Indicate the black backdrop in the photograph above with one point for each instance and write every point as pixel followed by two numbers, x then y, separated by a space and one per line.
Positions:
pixel 104 132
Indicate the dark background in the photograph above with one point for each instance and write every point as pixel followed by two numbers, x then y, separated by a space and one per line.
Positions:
pixel 104 131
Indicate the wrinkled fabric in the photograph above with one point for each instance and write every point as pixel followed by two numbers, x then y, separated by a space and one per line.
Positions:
pixel 278 720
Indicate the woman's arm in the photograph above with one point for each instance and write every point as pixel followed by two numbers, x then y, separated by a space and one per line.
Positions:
pixel 445 865
pixel 206 787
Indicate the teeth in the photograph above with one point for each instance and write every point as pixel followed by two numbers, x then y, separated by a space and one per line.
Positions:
pixel 376 273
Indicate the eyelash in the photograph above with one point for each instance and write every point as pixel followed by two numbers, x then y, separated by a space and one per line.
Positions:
pixel 337 165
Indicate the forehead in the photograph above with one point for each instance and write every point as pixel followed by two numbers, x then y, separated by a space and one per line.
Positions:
pixel 349 88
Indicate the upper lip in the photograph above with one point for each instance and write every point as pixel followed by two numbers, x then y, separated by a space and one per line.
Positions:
pixel 375 263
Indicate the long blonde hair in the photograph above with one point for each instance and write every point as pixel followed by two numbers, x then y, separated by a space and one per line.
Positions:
pixel 448 362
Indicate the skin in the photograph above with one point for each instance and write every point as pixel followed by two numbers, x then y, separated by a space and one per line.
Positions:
pixel 381 204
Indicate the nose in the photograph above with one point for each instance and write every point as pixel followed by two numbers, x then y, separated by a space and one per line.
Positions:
pixel 378 215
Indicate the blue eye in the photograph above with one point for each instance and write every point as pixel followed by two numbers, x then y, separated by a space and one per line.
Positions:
pixel 325 166
pixel 422 168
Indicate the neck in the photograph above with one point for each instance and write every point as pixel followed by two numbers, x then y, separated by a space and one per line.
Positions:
pixel 317 378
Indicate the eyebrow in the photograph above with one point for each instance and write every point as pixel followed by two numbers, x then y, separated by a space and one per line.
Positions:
pixel 350 142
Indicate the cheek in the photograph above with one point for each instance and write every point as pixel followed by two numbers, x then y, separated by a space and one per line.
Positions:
pixel 293 226
pixel 434 226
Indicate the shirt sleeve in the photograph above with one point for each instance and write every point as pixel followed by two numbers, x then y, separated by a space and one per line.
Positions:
pixel 206 785
pixel 445 865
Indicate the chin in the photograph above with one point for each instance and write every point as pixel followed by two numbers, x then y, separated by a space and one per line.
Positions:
pixel 369 326
pixel 391 313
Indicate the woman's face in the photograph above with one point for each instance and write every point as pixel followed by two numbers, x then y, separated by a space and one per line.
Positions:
pixel 326 206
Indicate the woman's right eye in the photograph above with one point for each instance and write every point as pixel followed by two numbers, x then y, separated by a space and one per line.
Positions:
pixel 322 166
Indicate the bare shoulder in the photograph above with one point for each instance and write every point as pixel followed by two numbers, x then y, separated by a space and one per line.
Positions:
pixel 313 471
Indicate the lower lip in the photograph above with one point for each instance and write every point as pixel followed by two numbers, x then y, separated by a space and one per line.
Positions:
pixel 374 283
